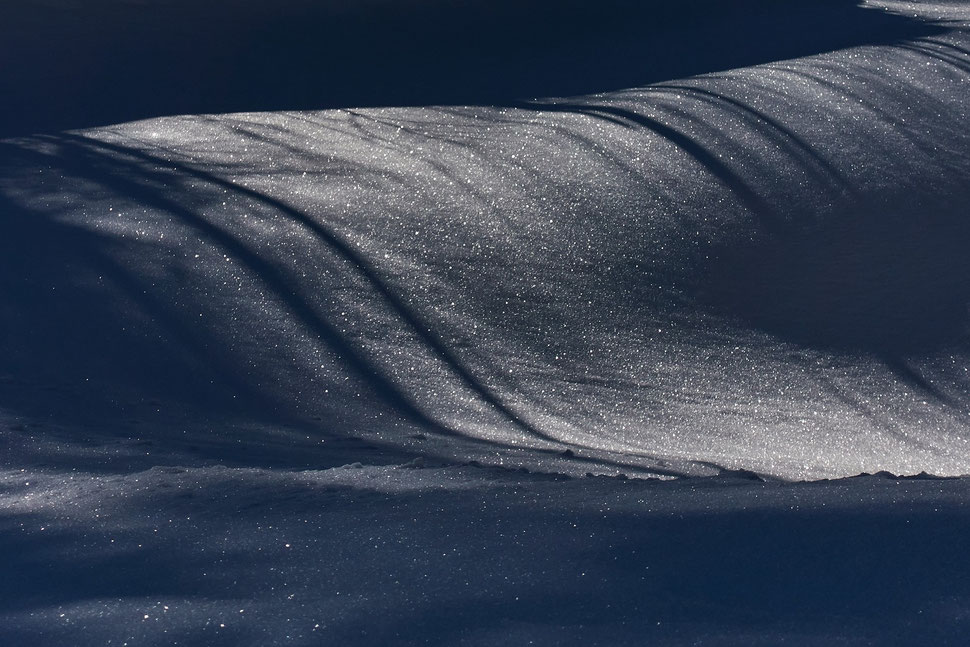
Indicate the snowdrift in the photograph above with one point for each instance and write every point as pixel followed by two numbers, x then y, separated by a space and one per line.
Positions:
pixel 758 269
pixel 459 363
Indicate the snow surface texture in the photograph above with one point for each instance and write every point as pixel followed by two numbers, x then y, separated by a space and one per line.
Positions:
pixel 751 273
pixel 762 268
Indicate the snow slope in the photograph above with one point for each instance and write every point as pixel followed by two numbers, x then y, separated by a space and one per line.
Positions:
pixel 756 272
pixel 762 268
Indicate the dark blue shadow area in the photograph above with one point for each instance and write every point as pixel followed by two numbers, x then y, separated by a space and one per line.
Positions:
pixel 70 65
pixel 888 573
pixel 890 279
pixel 38 571
pixel 375 568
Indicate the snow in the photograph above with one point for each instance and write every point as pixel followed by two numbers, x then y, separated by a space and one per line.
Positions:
pixel 463 555
pixel 569 370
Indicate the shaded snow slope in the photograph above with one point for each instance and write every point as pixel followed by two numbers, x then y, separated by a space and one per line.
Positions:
pixel 762 268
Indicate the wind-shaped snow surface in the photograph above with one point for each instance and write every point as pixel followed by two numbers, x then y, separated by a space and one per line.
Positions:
pixel 760 269
pixel 324 377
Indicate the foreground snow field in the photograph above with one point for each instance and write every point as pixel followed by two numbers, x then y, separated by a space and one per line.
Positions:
pixel 547 370
pixel 472 556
